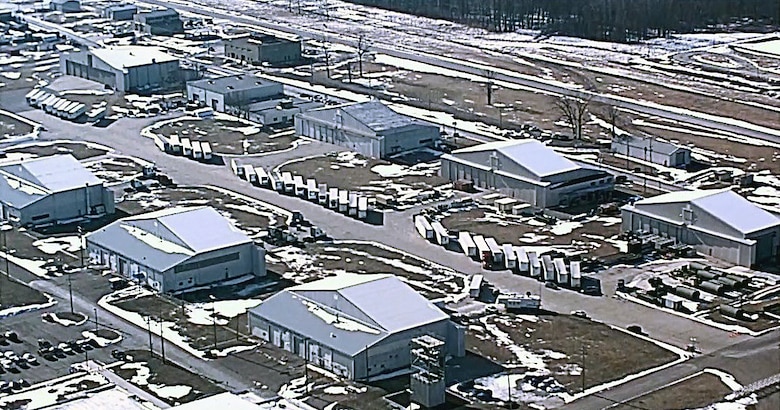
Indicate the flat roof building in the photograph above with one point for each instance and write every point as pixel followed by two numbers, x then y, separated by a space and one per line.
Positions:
pixel 65 6
pixel 124 68
pixel 120 11
pixel 257 48
pixel 369 128
pixel 176 249
pixel 54 189
pixel 527 170
pixel 357 326
pixel 716 222
pixel 163 22
pixel 234 91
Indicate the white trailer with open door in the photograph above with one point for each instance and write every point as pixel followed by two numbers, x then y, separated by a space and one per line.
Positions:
pixel 510 257
pixel 440 234
pixel 467 244
pixel 362 207
pixel 312 190
pixel 333 198
pixel 424 227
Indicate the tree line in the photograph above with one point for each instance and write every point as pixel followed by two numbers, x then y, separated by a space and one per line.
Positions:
pixel 622 21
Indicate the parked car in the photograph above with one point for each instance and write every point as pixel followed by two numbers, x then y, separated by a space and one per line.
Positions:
pixel 65 348
pixel 30 358
pixel 12 336
pixel 43 343
pixel 580 313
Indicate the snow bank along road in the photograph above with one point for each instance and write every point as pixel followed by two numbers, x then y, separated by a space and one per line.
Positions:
pixel 715 122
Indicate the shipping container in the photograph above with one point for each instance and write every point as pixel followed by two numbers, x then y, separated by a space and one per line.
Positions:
pixel 161 143
pixel 322 194
pixel 175 142
pixel 548 269
pixel 522 260
pixel 576 274
pixel 300 186
pixel 343 201
pixel 333 198
pixel 353 204
pixel 289 183
pixel 362 207
pixel 197 151
pixel 534 265
pixel 250 174
pixel 312 190
pixel 276 181
pixel 207 153
pixel 475 285
pixel 238 169
pixel 263 179
pixel 424 227
pixel 483 251
pixel 496 253
pixel 467 244
pixel 510 257
pixel 186 147
pixel 440 234
pixel 561 272
pixel 77 111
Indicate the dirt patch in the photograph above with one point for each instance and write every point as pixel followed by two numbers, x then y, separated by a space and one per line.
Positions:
pixel 249 216
pixel 229 136
pixel 78 150
pixel 163 374
pixel 11 127
pixel 574 351
pixel 393 185
pixel 115 170
pixel 320 260
pixel 764 322
pixel 694 393
pixel 15 294
pixel 588 236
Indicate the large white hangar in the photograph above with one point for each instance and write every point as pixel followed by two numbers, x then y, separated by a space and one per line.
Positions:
pixel 177 248
pixel 357 326
pixel 716 222
pixel 54 189
pixel 530 171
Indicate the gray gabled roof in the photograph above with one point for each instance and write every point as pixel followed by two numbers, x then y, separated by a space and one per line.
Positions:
pixel 650 143
pixel 723 204
pixel 530 154
pixel 163 239
pixel 377 116
pixel 24 182
pixel 349 312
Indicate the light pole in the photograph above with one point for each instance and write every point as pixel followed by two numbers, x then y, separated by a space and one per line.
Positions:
pixel 96 320
pixel 214 318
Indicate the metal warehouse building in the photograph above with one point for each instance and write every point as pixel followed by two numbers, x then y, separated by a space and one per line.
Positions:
pixel 50 190
pixel 719 223
pixel 176 249
pixel 652 150
pixel 235 91
pixel 527 170
pixel 370 128
pixel 258 48
pixel 357 326
pixel 124 68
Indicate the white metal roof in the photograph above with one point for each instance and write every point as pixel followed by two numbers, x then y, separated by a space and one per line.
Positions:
pixel 530 154
pixel 723 204
pixel 28 180
pixel 225 400
pixel 165 238
pixel 350 311
pixel 123 57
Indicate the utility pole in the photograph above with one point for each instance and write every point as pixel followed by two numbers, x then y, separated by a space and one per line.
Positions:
pixel 162 342
pixel 149 329
pixel 582 359
pixel 81 245
pixel 70 293
pixel 214 318
pixel 97 326
pixel 306 363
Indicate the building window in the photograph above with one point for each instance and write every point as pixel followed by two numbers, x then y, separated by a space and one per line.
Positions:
pixel 206 263
pixel 39 217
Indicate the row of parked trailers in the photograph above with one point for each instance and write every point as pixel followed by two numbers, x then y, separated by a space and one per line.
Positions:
pixel 197 150
pixel 507 256
pixel 58 106
pixel 340 200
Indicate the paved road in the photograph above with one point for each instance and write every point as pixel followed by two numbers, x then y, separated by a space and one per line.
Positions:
pixel 398 230
pixel 750 360
pixel 731 125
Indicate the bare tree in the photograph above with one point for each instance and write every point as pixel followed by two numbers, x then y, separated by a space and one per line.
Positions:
pixel 362 49
pixel 612 116
pixel 573 110
pixel 490 75
pixel 326 52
